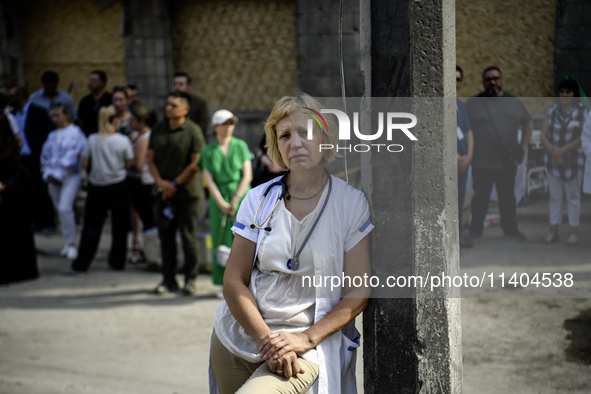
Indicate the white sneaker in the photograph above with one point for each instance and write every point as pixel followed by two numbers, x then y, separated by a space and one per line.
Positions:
pixel 551 238
pixel 72 253
pixel 64 250
pixel 572 240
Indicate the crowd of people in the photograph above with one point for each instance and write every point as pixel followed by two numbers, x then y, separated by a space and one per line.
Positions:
pixel 488 142
pixel 140 170
pixel 267 327
pixel 269 331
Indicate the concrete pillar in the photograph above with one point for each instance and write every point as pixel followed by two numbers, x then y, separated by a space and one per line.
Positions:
pixel 11 59
pixel 413 344
pixel 318 47
pixel 148 58
pixel 572 49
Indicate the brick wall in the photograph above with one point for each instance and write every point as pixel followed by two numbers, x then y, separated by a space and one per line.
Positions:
pixel 516 36
pixel 240 54
pixel 71 38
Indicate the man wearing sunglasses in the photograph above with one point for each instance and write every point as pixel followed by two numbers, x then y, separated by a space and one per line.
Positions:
pixel 496 117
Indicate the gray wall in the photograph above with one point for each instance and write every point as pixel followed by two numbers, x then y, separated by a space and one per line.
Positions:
pixel 11 61
pixel 318 67
pixel 573 46
pixel 148 61
pixel 318 48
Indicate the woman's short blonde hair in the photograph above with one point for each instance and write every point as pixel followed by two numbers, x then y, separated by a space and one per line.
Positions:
pixel 284 107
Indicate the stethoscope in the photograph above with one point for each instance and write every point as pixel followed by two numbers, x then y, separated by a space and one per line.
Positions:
pixel 281 182
pixel 293 263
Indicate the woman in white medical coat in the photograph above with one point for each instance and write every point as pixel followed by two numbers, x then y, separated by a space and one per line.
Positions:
pixel 279 330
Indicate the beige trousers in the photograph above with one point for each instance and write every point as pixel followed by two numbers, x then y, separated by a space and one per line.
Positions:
pixel 234 375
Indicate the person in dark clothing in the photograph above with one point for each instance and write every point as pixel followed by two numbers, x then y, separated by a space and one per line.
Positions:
pixel 18 259
pixel 465 147
pixel 135 101
pixel 173 152
pixel 89 105
pixel 34 127
pixel 198 106
pixel 263 168
pixel 496 117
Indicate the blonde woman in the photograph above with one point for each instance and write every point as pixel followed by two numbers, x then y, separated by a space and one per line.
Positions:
pixel 110 154
pixel 273 335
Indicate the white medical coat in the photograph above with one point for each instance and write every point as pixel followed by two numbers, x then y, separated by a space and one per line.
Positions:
pixel 346 217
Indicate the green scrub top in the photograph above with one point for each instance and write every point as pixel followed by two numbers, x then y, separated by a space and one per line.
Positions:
pixel 226 171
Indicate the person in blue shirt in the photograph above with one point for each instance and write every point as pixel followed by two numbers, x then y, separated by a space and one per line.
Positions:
pixel 465 149
pixel 50 94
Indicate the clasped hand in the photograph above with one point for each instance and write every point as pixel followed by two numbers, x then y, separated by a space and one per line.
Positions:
pixel 54 180
pixel 463 163
pixel 288 363
pixel 168 189
pixel 557 155
pixel 283 347
pixel 227 208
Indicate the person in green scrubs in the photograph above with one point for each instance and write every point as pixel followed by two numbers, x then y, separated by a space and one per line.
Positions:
pixel 227 171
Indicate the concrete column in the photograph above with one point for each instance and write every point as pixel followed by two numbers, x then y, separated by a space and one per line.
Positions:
pixel 572 49
pixel 318 47
pixel 413 344
pixel 148 58
pixel 11 59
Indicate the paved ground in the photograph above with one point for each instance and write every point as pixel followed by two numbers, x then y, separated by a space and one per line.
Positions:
pixel 515 339
pixel 106 332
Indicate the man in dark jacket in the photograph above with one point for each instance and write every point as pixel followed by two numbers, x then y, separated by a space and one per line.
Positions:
pixel 34 126
pixel 89 105
pixel 198 110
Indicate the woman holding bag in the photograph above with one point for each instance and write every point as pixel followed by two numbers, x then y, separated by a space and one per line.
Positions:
pixel 227 170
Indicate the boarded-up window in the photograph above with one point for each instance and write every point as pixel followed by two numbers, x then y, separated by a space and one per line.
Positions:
pixel 241 55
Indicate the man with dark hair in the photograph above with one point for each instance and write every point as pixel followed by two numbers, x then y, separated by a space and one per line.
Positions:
pixel 496 117
pixel 89 105
pixel 173 152
pixel 34 126
pixel 50 94
pixel 134 95
pixel 134 100
pixel 198 112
